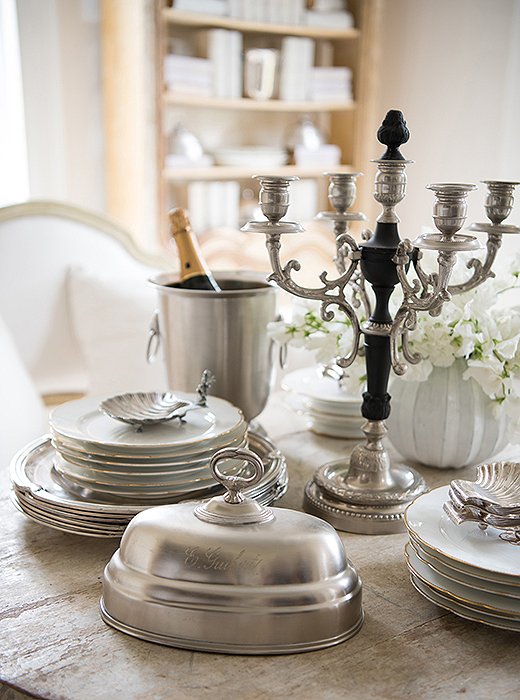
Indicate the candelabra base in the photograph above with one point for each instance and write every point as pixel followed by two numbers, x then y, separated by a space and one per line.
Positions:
pixel 367 496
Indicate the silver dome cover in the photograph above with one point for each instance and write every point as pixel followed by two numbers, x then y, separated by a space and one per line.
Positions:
pixel 232 576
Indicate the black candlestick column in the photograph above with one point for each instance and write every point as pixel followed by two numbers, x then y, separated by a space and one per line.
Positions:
pixel 379 270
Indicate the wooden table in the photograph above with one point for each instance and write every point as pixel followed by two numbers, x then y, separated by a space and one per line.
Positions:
pixel 53 643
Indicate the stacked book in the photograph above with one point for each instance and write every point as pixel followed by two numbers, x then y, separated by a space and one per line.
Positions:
pixel 213 204
pixel 206 7
pixel 340 19
pixel 330 84
pixel 296 65
pixel 225 55
pixel 188 74
pixel 270 11
pixel 218 75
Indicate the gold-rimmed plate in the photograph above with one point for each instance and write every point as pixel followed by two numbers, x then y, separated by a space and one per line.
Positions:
pixel 479 552
pixel 468 613
pixel 477 582
pixel 491 603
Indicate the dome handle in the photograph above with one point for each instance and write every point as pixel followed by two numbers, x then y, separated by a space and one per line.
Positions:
pixel 236 484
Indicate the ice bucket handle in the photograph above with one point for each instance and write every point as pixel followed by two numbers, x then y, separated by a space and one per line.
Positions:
pixel 154 339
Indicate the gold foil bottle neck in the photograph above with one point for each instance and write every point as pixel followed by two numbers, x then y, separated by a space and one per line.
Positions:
pixel 179 220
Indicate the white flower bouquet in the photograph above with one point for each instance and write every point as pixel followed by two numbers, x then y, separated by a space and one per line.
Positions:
pixel 481 326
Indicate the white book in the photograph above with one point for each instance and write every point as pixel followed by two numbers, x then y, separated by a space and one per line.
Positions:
pixel 225 54
pixel 186 66
pixel 334 20
pixel 220 57
pixel 207 7
pixel 304 201
pixel 235 64
pixel 197 205
pixel 297 59
pixel 214 204
pixel 231 199
pixel 236 8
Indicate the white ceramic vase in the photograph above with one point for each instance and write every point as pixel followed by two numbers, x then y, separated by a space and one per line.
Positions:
pixel 445 421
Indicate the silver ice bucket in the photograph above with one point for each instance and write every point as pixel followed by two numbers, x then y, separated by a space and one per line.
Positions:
pixel 224 332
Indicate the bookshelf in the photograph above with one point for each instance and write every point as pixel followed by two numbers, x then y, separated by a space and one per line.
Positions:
pixel 140 110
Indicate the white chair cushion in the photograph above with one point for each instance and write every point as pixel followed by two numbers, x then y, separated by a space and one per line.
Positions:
pixel 111 316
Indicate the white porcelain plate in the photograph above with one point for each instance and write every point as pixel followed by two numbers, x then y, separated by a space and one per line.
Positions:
pixel 481 584
pixel 466 544
pixel 492 603
pixel 468 613
pixel 325 392
pixel 82 420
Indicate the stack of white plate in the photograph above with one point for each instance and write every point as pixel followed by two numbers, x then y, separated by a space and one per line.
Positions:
pixel 38 493
pixel 462 568
pixel 98 456
pixel 329 410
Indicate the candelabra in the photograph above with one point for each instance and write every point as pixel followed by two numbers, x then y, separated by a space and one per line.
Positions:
pixel 369 494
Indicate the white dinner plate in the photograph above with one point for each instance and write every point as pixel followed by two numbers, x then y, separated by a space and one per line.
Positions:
pixel 347 432
pixel 143 463
pixel 492 603
pixel 479 550
pixel 468 613
pixel 324 392
pixel 36 493
pixel 467 579
pixel 149 468
pixel 82 420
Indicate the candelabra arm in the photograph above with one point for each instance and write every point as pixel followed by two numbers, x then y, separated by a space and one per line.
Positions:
pixel 481 270
pixel 433 288
pixel 340 229
pixel 357 281
pixel 401 260
pixel 426 279
pixel 405 321
pixel 282 276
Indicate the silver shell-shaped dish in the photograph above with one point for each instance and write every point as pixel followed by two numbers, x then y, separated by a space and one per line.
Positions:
pixel 496 489
pixel 146 408
pixel 232 576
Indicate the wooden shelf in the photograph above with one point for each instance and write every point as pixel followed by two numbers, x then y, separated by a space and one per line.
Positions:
pixel 194 19
pixel 247 104
pixel 222 172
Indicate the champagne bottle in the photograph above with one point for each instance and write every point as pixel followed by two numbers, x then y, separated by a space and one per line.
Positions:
pixel 194 273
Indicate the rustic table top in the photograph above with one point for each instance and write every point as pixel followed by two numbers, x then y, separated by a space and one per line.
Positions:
pixel 53 643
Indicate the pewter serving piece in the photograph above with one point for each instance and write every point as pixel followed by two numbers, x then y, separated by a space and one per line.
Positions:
pixel 496 488
pixel 38 494
pixel 492 500
pixel 369 494
pixel 150 408
pixel 232 576
pixel 224 332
